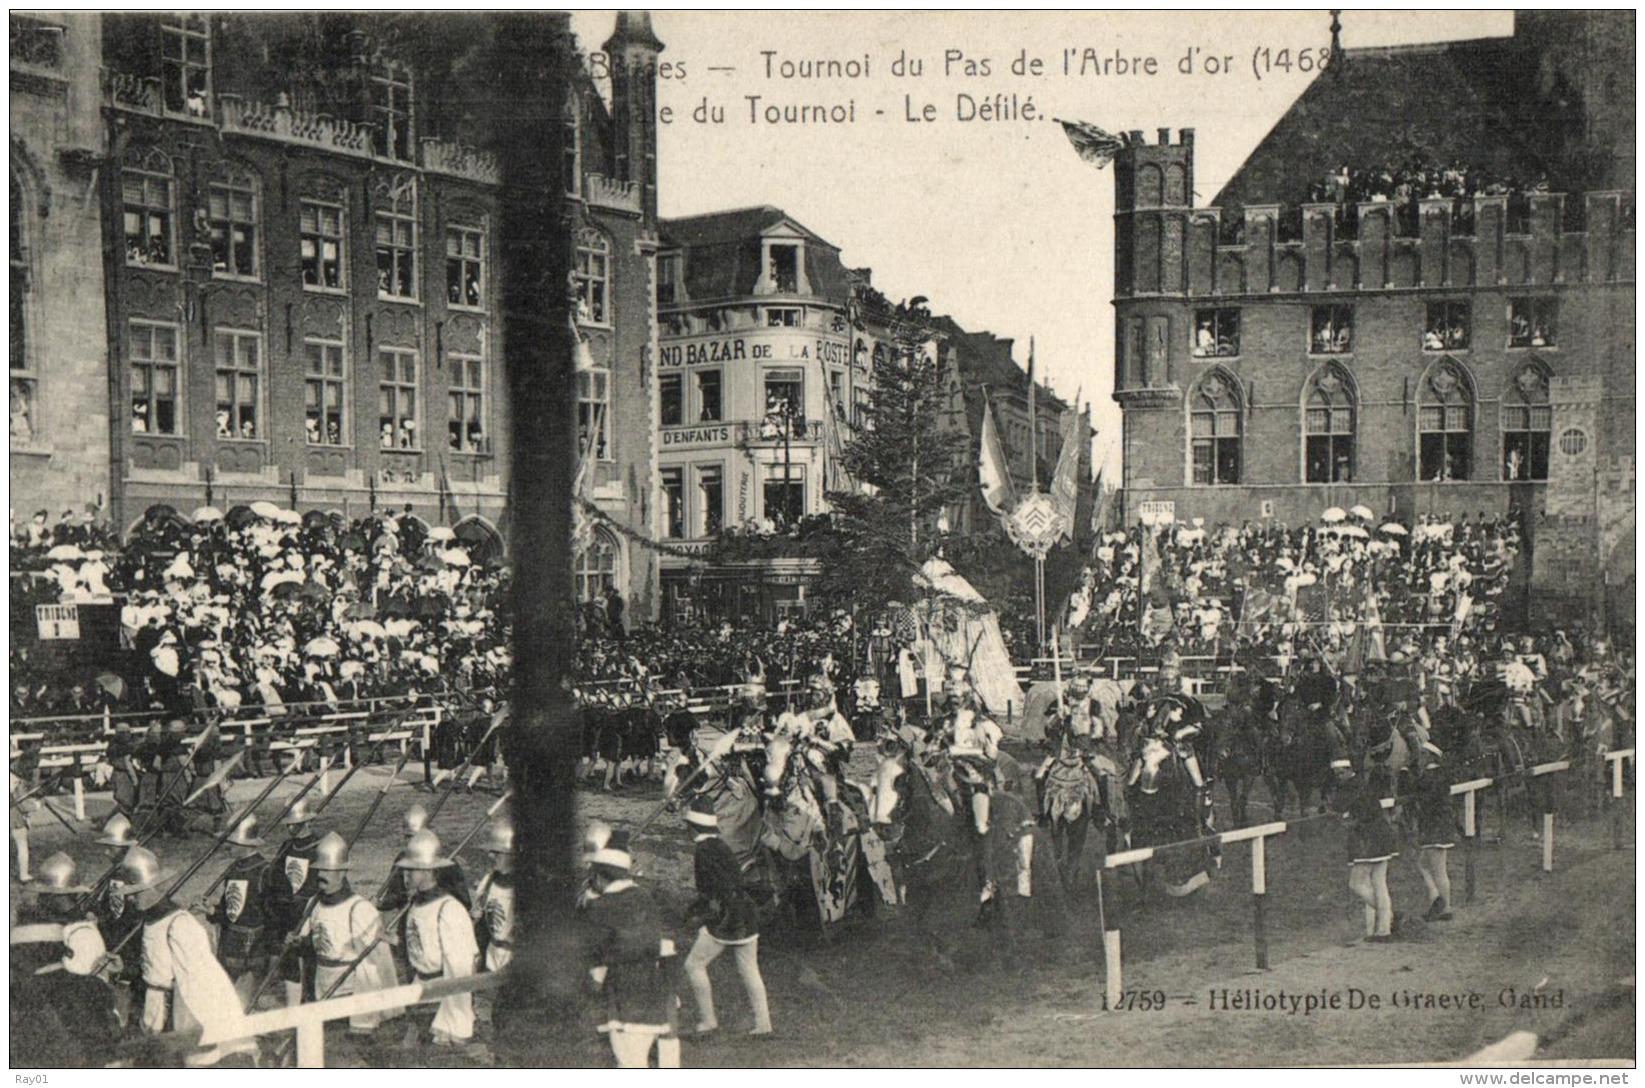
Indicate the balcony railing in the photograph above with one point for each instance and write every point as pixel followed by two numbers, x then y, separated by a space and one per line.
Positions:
pixel 604 192
pixel 462 161
pixel 281 122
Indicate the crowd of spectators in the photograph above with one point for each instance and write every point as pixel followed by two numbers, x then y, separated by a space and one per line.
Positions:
pixel 262 608
pixel 1285 589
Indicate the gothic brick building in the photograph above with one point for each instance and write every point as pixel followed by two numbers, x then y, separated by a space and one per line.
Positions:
pixel 1291 347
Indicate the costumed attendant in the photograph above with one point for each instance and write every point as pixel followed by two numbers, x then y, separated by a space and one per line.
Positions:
pixel 630 961
pixel 1371 845
pixel 1436 830
pixel 62 1012
pixel 242 944
pixel 729 919
pixel 439 936
pixel 184 986
pixel 339 929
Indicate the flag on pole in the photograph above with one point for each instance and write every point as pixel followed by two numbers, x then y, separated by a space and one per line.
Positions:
pixel 1033 426
pixel 1091 143
pixel 1065 486
pixel 992 472
pixel 1099 511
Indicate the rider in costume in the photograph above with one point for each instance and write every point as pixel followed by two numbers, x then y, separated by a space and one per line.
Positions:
pixel 973 744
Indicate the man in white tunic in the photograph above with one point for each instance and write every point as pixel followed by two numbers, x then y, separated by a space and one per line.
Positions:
pixel 494 898
pixel 185 986
pixel 439 936
pixel 339 928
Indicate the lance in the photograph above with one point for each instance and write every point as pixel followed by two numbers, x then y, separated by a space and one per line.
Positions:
pixel 727 741
pixel 53 781
pixel 384 931
pixel 371 810
pixel 325 764
pixel 222 837
pixel 157 820
pixel 1056 672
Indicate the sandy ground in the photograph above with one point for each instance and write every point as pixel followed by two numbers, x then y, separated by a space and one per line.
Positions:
pixel 872 996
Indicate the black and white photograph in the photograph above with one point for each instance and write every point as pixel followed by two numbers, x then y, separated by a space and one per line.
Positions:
pixel 763 539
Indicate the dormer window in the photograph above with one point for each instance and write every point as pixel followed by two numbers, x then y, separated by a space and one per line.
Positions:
pixel 185 66
pixel 670 279
pixel 391 110
pixel 785 268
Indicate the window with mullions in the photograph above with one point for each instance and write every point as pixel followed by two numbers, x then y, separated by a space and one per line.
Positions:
pixel 710 498
pixel 784 317
pixel 671 393
pixel 673 481
pixel 24 378
pixel 239 360
pixel 154 379
pixel 231 211
pixel 596 567
pixel 784 402
pixel 1527 427
pixel 320 245
pixel 1214 427
pixel 592 278
pixel 1216 333
pixel 784 495
pixel 147 188
pixel 397 424
pixel 465 266
pixel 1331 330
pixel 325 388
pixel 1532 322
pixel 1328 427
pixel 594 413
pixel 466 426
pixel 785 268
pixel 397 242
pixel 710 405
pixel 1445 426
pixel 185 66
pixel 391 110
pixel 1447 328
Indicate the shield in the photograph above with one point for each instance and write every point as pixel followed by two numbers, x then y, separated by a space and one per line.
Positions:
pixel 234 899
pixel 116 904
pixel 496 916
pixel 296 872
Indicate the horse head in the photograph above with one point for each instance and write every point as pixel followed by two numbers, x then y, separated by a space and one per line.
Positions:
pixel 778 752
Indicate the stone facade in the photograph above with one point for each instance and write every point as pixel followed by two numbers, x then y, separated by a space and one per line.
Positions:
pixel 59 357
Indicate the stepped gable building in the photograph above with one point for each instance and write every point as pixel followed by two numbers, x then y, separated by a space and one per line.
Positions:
pixel 302 264
pixel 59 355
pixel 1404 298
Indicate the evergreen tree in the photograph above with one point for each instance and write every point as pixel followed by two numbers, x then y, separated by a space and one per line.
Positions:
pixel 911 460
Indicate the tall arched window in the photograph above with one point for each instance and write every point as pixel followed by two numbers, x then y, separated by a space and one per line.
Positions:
pixel 24 377
pixel 1527 425
pixel 1328 427
pixel 1445 424
pixel 1214 429
pixel 596 567
pixel 592 278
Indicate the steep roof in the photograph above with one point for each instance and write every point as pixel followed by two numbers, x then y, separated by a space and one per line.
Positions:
pixel 1451 102
pixel 723 253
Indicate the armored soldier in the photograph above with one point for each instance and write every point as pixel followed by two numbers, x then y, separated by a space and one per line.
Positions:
pixel 184 985
pixel 494 898
pixel 339 929
pixel 62 1012
pixel 439 936
pixel 728 920
pixel 113 919
pixel 239 913
pixel 290 887
pixel 630 955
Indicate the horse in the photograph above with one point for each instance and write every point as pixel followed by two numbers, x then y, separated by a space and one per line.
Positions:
pixel 1300 755
pixel 1074 798
pixel 1166 806
pixel 1240 745
pixel 932 847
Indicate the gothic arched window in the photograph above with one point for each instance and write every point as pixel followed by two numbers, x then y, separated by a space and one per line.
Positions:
pixel 1445 423
pixel 1527 425
pixel 1328 428
pixel 1214 428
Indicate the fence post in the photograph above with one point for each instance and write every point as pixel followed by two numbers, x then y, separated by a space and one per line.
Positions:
pixel 1617 811
pixel 1548 815
pixel 311 1044
pixel 1259 895
pixel 79 790
pixel 1470 828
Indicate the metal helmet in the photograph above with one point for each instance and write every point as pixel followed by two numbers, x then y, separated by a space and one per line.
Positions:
pixel 55 876
pixel 415 819
pixel 117 832
pixel 422 852
pixel 500 837
pixel 330 854
pixel 245 833
pixel 299 813
pixel 138 871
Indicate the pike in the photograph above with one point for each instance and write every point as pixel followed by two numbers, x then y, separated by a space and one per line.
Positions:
pixel 384 931
pixel 727 741
pixel 222 837
pixel 41 787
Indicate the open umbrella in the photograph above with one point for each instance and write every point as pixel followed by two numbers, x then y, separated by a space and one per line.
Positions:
pixel 360 610
pixel 316 519
pixel 455 557
pixel 1393 528
pixel 369 629
pixel 1356 531
pixel 288 517
pixel 1333 515
pixel 65 553
pixel 313 592
pixel 287 590
pixel 207 513
pixel 266 510
pixel 114 685
pixel 321 647
pixel 238 517
pixel 431 561
pixel 1362 512
pixel 440 534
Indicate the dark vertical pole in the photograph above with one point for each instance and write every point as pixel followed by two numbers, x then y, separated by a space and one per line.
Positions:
pixel 533 72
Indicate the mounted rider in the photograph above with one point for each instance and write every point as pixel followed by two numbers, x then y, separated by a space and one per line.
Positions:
pixel 828 741
pixel 1522 671
pixel 972 741
pixel 1178 721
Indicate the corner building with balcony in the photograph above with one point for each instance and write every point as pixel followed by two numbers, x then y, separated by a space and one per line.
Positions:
pixel 1278 353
